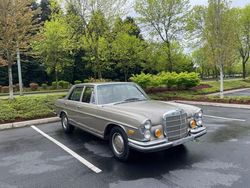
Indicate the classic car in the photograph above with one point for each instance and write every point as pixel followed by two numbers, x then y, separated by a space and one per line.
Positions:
pixel 122 113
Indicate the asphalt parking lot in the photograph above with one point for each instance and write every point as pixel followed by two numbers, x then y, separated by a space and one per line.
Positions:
pixel 239 93
pixel 221 158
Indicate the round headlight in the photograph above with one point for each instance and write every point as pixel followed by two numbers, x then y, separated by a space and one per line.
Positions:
pixel 147 124
pixel 147 134
pixel 199 122
pixel 198 115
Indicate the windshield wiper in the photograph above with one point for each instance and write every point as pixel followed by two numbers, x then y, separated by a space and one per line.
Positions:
pixel 129 100
pixel 132 99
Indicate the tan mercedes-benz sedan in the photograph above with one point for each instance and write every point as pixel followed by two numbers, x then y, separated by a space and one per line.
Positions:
pixel 122 113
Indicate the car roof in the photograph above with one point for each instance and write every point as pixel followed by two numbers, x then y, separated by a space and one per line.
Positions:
pixel 103 83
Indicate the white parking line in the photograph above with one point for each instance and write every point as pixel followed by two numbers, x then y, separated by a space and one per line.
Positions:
pixel 231 119
pixel 65 148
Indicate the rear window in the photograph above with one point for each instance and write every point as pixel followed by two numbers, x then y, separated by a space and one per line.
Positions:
pixel 88 95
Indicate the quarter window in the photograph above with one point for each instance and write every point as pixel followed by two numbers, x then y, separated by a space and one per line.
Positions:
pixel 76 94
pixel 88 95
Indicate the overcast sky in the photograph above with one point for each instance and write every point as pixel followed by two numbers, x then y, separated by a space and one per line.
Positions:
pixel 235 3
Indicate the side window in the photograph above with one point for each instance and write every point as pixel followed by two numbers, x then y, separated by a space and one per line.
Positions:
pixel 88 95
pixel 76 94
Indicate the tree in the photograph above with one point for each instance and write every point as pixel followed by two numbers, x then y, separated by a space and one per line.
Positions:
pixel 110 8
pixel 54 47
pixel 127 52
pixel 166 18
pixel 16 26
pixel 45 10
pixel 243 36
pixel 155 58
pixel 220 35
pixel 95 42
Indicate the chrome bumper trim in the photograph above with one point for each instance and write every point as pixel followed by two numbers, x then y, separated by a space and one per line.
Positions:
pixel 162 144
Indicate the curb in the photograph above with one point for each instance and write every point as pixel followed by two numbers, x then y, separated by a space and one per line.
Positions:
pixel 228 92
pixel 28 123
pixel 226 105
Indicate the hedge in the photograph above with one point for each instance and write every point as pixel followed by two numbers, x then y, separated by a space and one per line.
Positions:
pixel 27 107
pixel 182 80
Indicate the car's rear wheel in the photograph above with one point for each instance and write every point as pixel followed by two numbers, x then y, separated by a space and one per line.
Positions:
pixel 67 127
pixel 118 142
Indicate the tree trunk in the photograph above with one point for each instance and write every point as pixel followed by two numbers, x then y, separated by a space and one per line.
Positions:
pixel 56 76
pixel 221 82
pixel 244 69
pixel 169 57
pixel 19 72
pixel 11 95
pixel 126 75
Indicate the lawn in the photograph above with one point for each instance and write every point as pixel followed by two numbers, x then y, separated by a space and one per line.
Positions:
pixel 206 87
pixel 27 107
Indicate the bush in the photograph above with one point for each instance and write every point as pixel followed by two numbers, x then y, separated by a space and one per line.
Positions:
pixel 54 85
pixel 77 82
pixel 144 80
pixel 44 86
pixel 1 88
pixel 63 84
pixel 27 107
pixel 34 86
pixel 5 89
pixel 187 80
pixel 183 80
pixel 93 80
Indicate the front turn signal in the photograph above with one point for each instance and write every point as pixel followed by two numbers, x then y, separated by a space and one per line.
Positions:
pixel 158 133
pixel 193 124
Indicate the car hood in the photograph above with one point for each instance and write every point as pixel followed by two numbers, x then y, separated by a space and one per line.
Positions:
pixel 152 109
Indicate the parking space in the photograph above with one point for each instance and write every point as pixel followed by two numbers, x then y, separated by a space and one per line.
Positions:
pixel 219 159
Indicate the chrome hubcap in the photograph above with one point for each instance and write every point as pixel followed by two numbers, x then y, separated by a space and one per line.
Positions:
pixel 118 143
pixel 65 122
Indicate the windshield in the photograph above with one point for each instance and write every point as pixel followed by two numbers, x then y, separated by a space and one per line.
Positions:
pixel 115 93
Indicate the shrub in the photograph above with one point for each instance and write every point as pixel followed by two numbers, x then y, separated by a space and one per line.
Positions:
pixel 168 79
pixel 1 88
pixel 34 86
pixel 63 84
pixel 44 86
pixel 187 80
pixel 144 80
pixel 77 81
pixel 183 80
pixel 27 107
pixel 54 85
pixel 5 89
pixel 93 80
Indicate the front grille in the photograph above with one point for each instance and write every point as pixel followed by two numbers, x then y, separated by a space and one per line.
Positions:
pixel 176 125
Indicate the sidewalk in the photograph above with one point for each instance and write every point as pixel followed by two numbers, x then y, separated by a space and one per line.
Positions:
pixel 28 123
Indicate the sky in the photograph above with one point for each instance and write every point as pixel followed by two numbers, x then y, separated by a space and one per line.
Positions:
pixel 235 3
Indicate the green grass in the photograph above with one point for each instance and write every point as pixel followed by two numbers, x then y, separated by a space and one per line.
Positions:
pixel 27 107
pixel 228 85
pixel 200 95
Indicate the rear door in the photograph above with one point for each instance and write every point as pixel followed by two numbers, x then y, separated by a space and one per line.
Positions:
pixel 72 104
pixel 87 110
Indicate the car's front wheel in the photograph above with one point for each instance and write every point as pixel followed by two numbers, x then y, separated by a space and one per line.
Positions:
pixel 119 144
pixel 67 127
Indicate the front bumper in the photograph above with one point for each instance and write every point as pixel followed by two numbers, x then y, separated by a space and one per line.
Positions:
pixel 157 145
